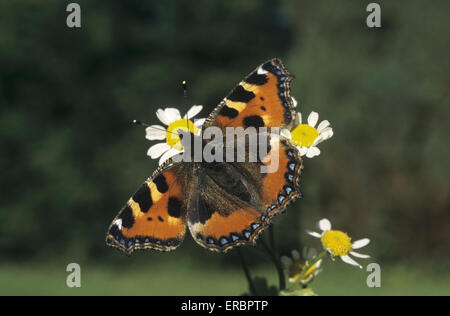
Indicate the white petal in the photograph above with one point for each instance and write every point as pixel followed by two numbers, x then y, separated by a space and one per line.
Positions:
pixel 360 243
pixel 323 125
pixel 303 150
pixel 199 122
pixel 313 118
pixel 317 141
pixel 324 224
pixel 298 119
pixel 358 255
pixel 157 150
pixel 161 115
pixel 326 133
pixel 312 152
pixel 155 132
pixel 317 266
pixel 295 255
pixel 286 133
pixel 172 114
pixel 350 261
pixel 168 154
pixel 168 116
pixel 314 234
pixel 193 111
pixel 331 134
pixel 294 101
pixel 286 261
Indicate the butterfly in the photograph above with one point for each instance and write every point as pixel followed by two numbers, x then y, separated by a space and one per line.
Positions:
pixel 223 204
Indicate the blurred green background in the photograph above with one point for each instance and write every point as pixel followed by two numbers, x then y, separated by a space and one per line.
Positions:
pixel 70 157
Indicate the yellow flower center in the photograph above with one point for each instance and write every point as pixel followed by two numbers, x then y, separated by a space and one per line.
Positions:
pixel 172 138
pixel 310 271
pixel 304 135
pixel 337 242
pixel 296 270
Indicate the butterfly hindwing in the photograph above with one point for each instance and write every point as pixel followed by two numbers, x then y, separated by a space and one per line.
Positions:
pixel 154 217
pixel 280 185
pixel 261 99
pixel 224 209
pixel 236 202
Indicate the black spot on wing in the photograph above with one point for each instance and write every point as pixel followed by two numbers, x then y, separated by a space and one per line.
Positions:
pixel 239 94
pixel 254 121
pixel 276 68
pixel 127 217
pixel 228 112
pixel 114 230
pixel 144 198
pixel 257 79
pixel 161 183
pixel 174 207
pixel 204 211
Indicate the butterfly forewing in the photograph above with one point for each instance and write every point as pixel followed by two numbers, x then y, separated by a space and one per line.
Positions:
pixel 261 99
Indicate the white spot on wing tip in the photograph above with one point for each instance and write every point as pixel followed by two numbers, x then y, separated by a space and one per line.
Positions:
pixel 118 223
pixel 261 71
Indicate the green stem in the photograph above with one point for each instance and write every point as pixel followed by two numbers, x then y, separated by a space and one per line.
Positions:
pixel 272 237
pixel 251 286
pixel 273 255
pixel 279 266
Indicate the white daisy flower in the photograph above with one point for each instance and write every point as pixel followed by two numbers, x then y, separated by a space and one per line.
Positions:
pixel 171 117
pixel 293 266
pixel 339 244
pixel 307 136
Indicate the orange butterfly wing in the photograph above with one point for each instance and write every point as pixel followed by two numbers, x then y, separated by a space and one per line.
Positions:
pixel 261 99
pixel 154 217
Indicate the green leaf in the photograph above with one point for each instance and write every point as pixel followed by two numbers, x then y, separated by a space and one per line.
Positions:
pixel 302 292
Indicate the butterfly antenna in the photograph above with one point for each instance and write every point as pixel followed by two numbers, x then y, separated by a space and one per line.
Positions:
pixel 140 123
pixel 147 125
pixel 184 85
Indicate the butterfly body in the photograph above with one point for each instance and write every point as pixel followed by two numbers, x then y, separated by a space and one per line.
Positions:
pixel 223 204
